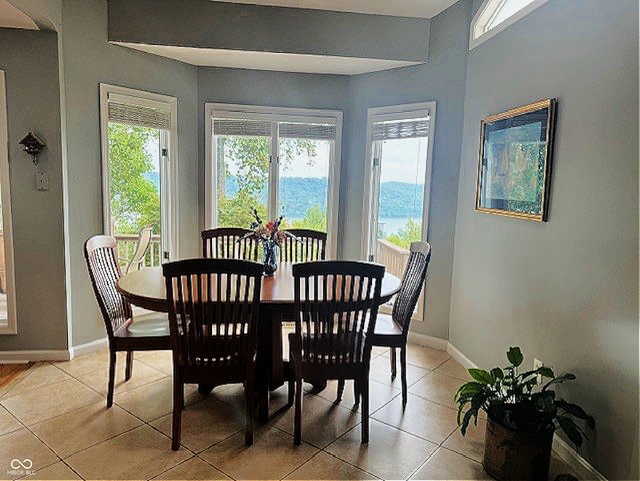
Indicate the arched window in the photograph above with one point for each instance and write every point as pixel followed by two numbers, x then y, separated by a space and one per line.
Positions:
pixel 496 15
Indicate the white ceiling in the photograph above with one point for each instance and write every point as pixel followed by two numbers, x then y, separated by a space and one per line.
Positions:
pixel 11 17
pixel 402 8
pixel 281 62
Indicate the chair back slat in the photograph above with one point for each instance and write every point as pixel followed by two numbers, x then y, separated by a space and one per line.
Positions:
pixel 336 305
pixel 226 243
pixel 412 282
pixel 213 311
pixel 104 271
pixel 144 240
pixel 310 246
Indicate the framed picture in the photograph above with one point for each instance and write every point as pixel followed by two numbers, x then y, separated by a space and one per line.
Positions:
pixel 514 168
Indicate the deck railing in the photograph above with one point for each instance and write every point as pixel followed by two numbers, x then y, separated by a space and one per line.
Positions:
pixel 395 260
pixel 127 246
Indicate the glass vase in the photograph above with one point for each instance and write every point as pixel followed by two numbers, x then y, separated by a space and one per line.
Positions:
pixel 270 258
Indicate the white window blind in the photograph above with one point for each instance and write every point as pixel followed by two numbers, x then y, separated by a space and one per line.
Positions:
pixel 141 112
pixel 242 127
pixel 264 128
pixel 307 131
pixel 401 129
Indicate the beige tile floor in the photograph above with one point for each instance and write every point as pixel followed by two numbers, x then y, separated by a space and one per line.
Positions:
pixel 56 416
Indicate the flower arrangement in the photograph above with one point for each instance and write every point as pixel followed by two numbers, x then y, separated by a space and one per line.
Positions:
pixel 271 237
pixel 269 232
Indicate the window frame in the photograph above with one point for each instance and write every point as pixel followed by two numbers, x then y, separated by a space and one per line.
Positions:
pixel 9 327
pixel 169 184
pixel 487 12
pixel 394 112
pixel 274 114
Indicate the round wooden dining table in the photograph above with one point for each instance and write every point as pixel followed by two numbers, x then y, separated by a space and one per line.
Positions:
pixel 146 288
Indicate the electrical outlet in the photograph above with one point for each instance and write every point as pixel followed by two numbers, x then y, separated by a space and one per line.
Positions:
pixel 537 363
pixel 42 181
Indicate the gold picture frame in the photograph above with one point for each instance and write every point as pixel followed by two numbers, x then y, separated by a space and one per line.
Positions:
pixel 514 161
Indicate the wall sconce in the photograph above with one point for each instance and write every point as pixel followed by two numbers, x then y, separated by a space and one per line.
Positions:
pixel 32 145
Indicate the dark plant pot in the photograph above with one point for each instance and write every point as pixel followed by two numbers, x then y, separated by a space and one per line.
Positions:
pixel 510 455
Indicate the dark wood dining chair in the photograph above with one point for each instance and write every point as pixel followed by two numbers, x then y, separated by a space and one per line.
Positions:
pixel 226 243
pixel 148 332
pixel 311 245
pixel 392 330
pixel 336 303
pixel 214 306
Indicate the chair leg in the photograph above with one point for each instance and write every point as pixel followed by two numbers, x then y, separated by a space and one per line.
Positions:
pixel 392 357
pixel 248 406
pixel 297 417
pixel 356 392
pixel 178 402
pixel 340 390
pixel 291 392
pixel 112 378
pixel 129 367
pixel 364 409
pixel 403 374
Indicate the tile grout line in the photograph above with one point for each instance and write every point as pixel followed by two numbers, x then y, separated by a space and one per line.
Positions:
pixel 114 387
pixel 213 465
pixel 300 466
pixel 196 454
pixel 14 382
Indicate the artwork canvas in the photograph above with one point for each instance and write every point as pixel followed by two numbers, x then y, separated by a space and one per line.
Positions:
pixel 514 167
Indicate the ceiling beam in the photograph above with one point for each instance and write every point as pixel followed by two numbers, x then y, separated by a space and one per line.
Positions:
pixel 254 28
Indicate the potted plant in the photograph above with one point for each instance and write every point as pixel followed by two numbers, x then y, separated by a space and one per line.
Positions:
pixel 522 414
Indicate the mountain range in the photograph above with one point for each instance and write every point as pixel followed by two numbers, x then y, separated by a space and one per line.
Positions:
pixel 298 194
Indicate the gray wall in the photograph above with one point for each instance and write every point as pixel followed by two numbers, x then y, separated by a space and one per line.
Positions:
pixel 442 79
pixel 30 60
pixel 206 24
pixel 566 291
pixel 254 87
pixel 89 60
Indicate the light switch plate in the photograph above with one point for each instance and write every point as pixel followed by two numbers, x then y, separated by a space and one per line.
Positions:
pixel 42 180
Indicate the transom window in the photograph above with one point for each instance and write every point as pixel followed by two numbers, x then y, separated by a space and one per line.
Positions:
pixel 496 15
pixel 279 161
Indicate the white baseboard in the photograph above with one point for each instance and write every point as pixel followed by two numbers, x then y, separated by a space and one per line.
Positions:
pixel 560 447
pixel 460 357
pixel 15 357
pixel 429 341
pixel 583 468
pixel 89 347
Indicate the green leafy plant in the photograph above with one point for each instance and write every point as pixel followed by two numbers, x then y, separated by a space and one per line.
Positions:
pixel 521 401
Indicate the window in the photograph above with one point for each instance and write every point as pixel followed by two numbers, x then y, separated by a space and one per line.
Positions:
pixel 8 321
pixel 139 142
pixel 279 161
pixel 496 15
pixel 396 204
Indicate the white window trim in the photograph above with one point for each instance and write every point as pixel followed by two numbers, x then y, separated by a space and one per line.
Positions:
pixel 275 114
pixel 143 98
pixel 11 326
pixel 485 14
pixel 395 112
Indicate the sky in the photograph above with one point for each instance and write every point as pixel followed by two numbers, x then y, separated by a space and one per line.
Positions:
pixel 403 160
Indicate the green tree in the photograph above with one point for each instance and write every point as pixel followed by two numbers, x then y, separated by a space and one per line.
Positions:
pixel 315 218
pixel 251 156
pixel 135 200
pixel 411 232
